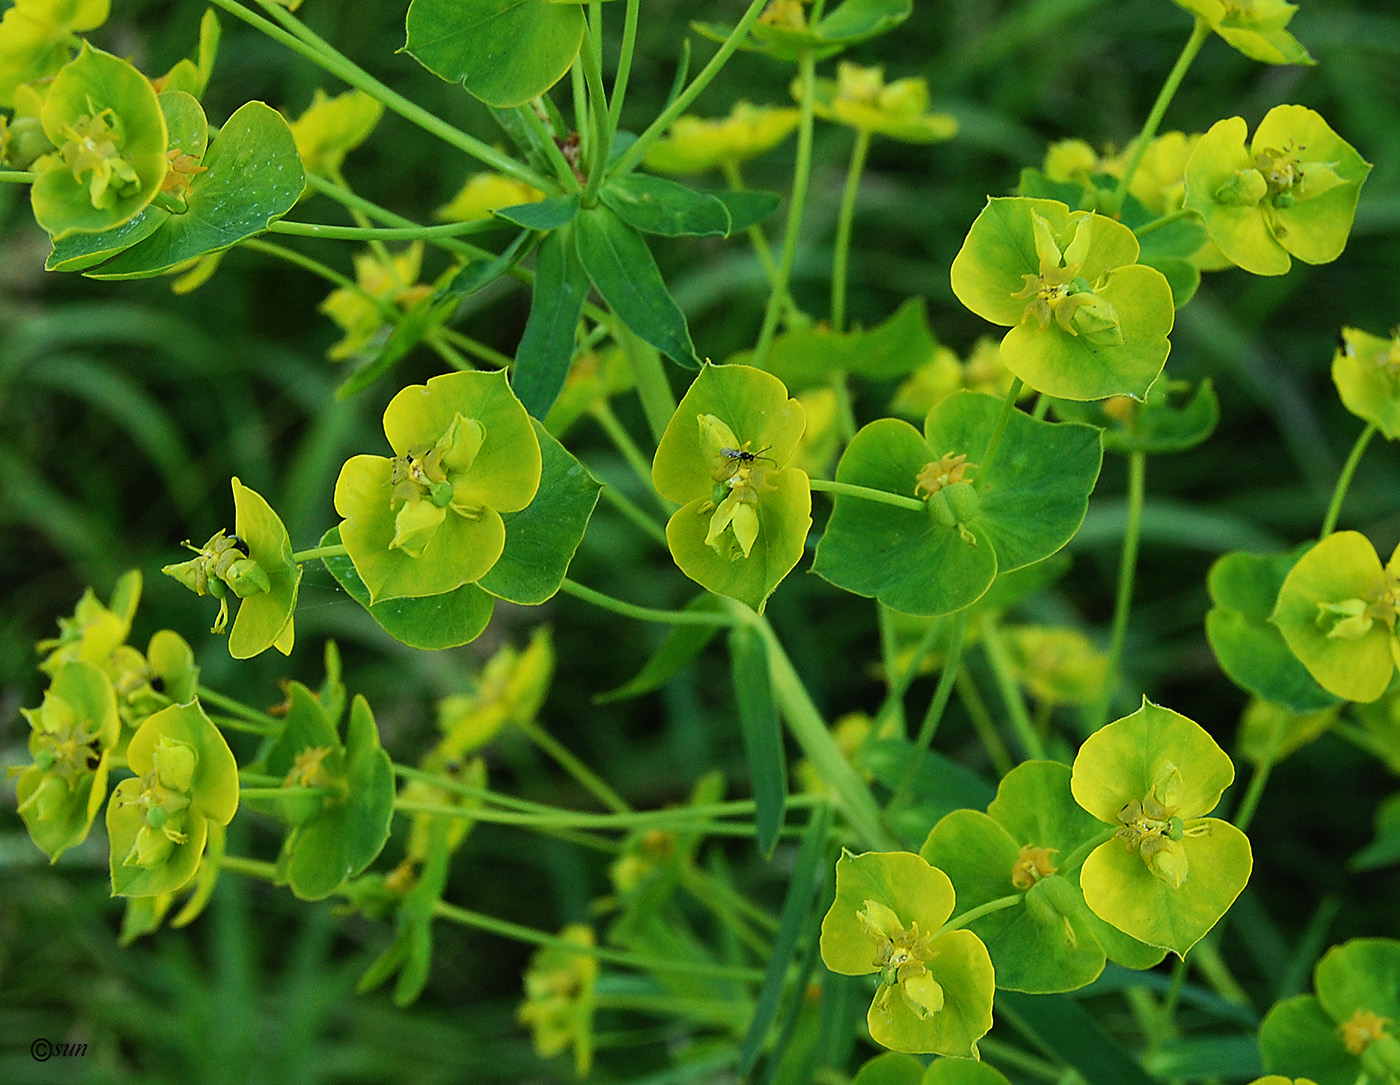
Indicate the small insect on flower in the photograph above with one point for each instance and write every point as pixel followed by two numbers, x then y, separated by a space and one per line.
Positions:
pixel 739 457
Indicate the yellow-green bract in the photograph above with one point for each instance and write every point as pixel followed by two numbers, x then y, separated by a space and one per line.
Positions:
pixel 861 98
pixel 429 519
pixel 159 821
pixel 1169 873
pixel 1292 191
pixel 745 515
pixel 1366 371
pixel 935 991
pixel 1337 609
pixel 1087 321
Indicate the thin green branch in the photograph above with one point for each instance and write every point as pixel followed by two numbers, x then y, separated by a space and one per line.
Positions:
pixel 844 223
pixel 296 36
pixel 1199 33
pixel 589 780
pixel 1010 690
pixel 382 233
pixel 317 553
pixel 273 725
pixel 801 175
pixel 624 66
pixel 1339 493
pixel 1127 570
pixel 592 55
pixel 825 485
pixel 17 177
pixel 657 128
pixel 633 512
pixel 645 614
pixel 952 662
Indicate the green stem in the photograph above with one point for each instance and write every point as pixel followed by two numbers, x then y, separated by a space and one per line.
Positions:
pixel 592 57
pixel 237 723
pixel 602 413
pixel 633 512
pixel 641 962
pixel 1199 33
pixel 386 308
pixel 589 780
pixel 319 552
pixel 252 868
pixel 657 128
pixel 624 65
pixel 996 1051
pixel 302 40
pixel 1010 692
pixel 801 174
pixel 880 496
pixel 994 442
pixel 1127 570
pixel 755 233
pixel 844 222
pixel 983 724
pixel 17 177
pixel 1164 220
pixel 355 203
pixel 1339 494
pixel 974 914
pixel 258 779
pixel 382 233
pixel 645 614
pixel 684 819
pixel 546 142
pixel 284 792
pixel 1166 1025
pixel 1206 957
pixel 952 662
pixel 1245 814
pixel 853 796
pixel 238 708
pixel 489 355
pixel 649 375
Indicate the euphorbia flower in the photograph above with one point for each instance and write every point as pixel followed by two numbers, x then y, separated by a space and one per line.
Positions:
pixel 255 563
pixel 94 631
pixel 559 998
pixel 158 822
pixel 1087 321
pixel 1337 610
pixel 1366 371
pixel 103 117
pixel 483 193
pixel 935 992
pixel 331 128
pixel 429 519
pixel 745 515
pixel 695 144
pixel 1169 873
pixel 1348 1031
pixel 393 283
pixel 1254 27
pixel 1294 190
pixel 861 98
pixel 37 37
pixel 72 736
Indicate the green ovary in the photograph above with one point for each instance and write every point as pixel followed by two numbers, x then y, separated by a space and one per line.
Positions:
pixel 92 148
pixel 164 799
pixel 423 485
pixel 902 956
pixel 1058 293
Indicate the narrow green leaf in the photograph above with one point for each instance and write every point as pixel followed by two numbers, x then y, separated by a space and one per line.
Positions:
pixel 547 347
pixel 682 644
pixel 656 205
pixel 793 924
pixel 762 732
pixel 547 214
pixel 748 206
pixel 1235 1058
pixel 476 274
pixel 621 267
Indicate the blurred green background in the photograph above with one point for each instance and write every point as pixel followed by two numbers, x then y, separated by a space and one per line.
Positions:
pixel 124 410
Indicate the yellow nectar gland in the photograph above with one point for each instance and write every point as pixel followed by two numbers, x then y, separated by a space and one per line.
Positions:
pixel 942 473
pixel 1351 619
pixel 183 169
pixel 1362 1029
pixel 902 956
pixel 308 770
pixel 1033 864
